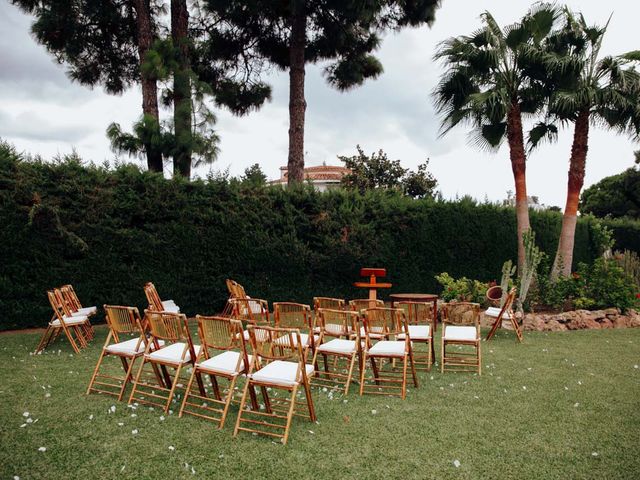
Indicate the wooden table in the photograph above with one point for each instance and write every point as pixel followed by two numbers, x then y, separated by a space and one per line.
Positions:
pixel 418 297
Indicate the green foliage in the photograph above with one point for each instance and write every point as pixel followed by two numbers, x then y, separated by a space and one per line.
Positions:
pixel 630 262
pixel 508 270
pixel 615 196
pixel 377 171
pixel 532 258
pixel 254 176
pixel 462 289
pixel 187 237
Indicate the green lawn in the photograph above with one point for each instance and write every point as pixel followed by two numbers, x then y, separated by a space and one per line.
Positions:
pixel 561 405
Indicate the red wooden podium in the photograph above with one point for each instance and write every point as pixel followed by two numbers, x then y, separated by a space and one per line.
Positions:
pixel 373 285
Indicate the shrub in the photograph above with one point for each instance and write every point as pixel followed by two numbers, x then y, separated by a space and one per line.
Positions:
pixel 462 289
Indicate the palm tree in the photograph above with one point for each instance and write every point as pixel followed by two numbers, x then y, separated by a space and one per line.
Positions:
pixel 585 90
pixel 490 82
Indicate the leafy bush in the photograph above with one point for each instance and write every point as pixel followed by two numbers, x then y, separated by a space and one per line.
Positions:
pixel 462 289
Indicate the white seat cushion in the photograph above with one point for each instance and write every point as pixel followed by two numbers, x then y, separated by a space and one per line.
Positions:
pixel 127 347
pixel 228 363
pixel 72 320
pixel 457 332
pixel 417 332
pixel 388 347
pixel 304 338
pixel 85 311
pixel 170 306
pixel 372 334
pixel 495 313
pixel 280 372
pixel 338 345
pixel 173 353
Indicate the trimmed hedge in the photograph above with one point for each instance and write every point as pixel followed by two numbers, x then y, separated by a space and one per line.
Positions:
pixel 109 231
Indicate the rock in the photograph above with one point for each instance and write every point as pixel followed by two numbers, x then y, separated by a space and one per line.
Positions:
pixel 606 323
pixel 621 321
pixel 554 326
pixel 533 322
pixel 612 311
pixel 583 323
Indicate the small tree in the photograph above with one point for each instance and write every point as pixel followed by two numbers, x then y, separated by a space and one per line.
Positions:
pixel 377 171
pixel 254 176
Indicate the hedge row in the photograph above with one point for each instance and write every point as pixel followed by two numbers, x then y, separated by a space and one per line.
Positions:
pixel 109 231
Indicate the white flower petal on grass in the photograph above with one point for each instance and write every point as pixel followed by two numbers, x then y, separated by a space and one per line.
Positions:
pixel 222 455
pixel 579 382
pixel 29 420
pixel 112 409
pixel 120 424
pixel 122 469
pixel 23 425
pixel 576 404
pixel 311 432
pixel 524 388
pixel 374 412
pixel 193 471
pixel 162 418
pixel 134 431
pixel 42 449
pixel 16 477
pixel 345 401
pixel 594 454
pixel 47 395
pixel 172 448
pixel 26 414
pixel 133 415
pixel 91 417
pixel 456 463
pixel 636 366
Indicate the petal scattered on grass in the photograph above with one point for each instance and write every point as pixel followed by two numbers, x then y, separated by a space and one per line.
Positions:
pixel 134 431
pixel 42 449
pixel 374 412
pixel 456 463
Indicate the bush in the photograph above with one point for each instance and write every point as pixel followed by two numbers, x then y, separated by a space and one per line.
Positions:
pixel 462 289
pixel 109 230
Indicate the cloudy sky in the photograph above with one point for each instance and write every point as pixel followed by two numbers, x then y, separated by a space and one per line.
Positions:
pixel 41 111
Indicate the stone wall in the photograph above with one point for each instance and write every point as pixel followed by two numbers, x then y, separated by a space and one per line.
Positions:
pixel 581 319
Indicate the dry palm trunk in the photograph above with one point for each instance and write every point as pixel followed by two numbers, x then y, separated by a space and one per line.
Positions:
pixel 564 255
pixel 181 89
pixel 297 102
pixel 519 168
pixel 147 81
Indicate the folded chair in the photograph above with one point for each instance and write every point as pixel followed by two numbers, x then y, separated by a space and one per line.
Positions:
pixel 504 313
pixel 382 326
pixel 75 307
pixel 123 322
pixel 176 353
pixel 251 311
pixel 222 356
pixel 461 329
pixel 339 338
pixel 421 327
pixel 63 322
pixel 296 315
pixel 155 303
pixel 275 368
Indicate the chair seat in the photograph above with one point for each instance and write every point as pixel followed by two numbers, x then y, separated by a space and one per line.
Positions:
pixel 388 347
pixel 417 332
pixel 68 321
pixel 170 306
pixel 304 338
pixel 280 372
pixel 85 311
pixel 227 363
pixel 173 353
pixel 372 334
pixel 495 313
pixel 127 347
pixel 338 345
pixel 456 332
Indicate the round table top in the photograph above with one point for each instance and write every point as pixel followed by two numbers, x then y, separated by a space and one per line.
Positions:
pixel 413 296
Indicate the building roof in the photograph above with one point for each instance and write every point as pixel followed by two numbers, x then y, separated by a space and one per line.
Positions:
pixel 331 173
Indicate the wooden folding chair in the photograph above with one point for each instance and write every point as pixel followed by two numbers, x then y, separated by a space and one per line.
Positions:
pixel 339 338
pixel 278 368
pixel 384 325
pixel 155 303
pixel 461 329
pixel 177 352
pixel 360 304
pixel 296 315
pixel 251 311
pixel 222 356
pixel 125 322
pixel 63 322
pixel 421 327
pixel 329 303
pixel 75 308
pixel 504 313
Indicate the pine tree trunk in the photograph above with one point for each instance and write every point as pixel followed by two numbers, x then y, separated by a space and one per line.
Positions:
pixel 181 90
pixel 519 168
pixel 564 256
pixel 148 82
pixel 297 102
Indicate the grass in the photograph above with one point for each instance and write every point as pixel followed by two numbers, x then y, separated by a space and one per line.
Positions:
pixel 561 405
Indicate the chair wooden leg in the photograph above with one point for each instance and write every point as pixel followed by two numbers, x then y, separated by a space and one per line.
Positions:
pixel 227 404
pixel 494 328
pixel 292 406
pixel 310 406
pixel 127 378
pixel 173 388
pixel 478 348
pixel 46 339
pixel 349 375
pixel 71 340
pixel 413 369
pixel 242 405
pixel 363 370
pixel 187 391
pixel 404 377
pixel 136 381
pixel 442 356
pixel 95 372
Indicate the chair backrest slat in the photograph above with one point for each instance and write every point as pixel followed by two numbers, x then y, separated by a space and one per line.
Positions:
pixel 292 315
pixel 388 322
pixel 70 297
pixel 155 303
pixel 417 313
pixel 359 304
pixel 250 310
pixel 338 323
pixel 328 302
pixel 220 333
pixel 123 319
